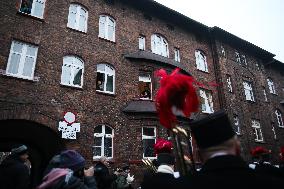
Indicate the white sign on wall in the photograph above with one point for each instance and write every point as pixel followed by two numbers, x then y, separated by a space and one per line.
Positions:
pixel 68 127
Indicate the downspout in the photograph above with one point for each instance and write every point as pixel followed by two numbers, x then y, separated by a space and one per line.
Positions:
pixel 217 70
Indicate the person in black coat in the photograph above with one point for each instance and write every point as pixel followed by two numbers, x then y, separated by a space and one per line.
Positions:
pixel 101 172
pixel 164 177
pixel 219 151
pixel 14 173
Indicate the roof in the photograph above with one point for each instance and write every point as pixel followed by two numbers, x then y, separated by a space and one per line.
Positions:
pixel 169 15
pixel 146 55
pixel 243 44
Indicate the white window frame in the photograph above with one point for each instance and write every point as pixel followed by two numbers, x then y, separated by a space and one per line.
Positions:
pixel 265 95
pixel 141 41
pixel 279 118
pixel 207 96
pixel 223 52
pixel 248 91
pixel 36 4
pixel 145 137
pixel 103 135
pixel 78 14
pixel 237 124
pixel 105 25
pixel 238 57
pixel 159 45
pixel 108 71
pixel 177 54
pixel 146 80
pixel 229 84
pixel 73 68
pixel 273 131
pixel 257 131
pixel 201 63
pixel 243 60
pixel 271 86
pixel 22 61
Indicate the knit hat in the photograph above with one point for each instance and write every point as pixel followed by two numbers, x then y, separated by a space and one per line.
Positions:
pixel 212 130
pixel 72 160
pixel 20 149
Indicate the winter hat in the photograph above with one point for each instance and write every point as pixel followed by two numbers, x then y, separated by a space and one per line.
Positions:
pixel 212 130
pixel 72 160
pixel 20 149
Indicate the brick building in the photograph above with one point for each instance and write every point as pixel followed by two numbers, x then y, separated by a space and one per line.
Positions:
pixel 97 59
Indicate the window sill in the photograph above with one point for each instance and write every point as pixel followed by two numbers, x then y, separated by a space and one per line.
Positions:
pixel 76 30
pixel 259 141
pixel 71 86
pixel 149 99
pixel 108 40
pixel 205 112
pixel 30 16
pixel 105 93
pixel 34 79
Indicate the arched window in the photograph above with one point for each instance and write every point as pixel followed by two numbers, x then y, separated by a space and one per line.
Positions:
pixel 201 61
pixel 279 118
pixel 107 27
pixel 159 45
pixel 105 78
pixel 103 141
pixel 72 71
pixel 77 18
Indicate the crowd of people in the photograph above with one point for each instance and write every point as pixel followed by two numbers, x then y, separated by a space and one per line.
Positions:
pixel 218 149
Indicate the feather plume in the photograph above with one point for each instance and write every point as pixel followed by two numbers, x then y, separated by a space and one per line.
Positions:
pixel 258 151
pixel 176 90
pixel 163 146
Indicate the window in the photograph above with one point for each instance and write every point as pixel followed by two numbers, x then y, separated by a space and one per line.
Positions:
pixel 264 94
pixel 229 83
pixel 201 61
pixel 33 7
pixel 105 78
pixel 77 18
pixel 223 52
pixel 271 86
pixel 237 125
pixel 148 139
pixel 279 118
pixel 22 60
pixel 206 101
pixel 248 91
pixel 141 42
pixel 243 60
pixel 273 131
pixel 177 55
pixel 145 86
pixel 72 71
pixel 159 45
pixel 103 142
pixel 257 131
pixel 107 28
pixel 238 58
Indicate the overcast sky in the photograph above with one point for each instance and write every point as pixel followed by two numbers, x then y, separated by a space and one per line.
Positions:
pixel 260 22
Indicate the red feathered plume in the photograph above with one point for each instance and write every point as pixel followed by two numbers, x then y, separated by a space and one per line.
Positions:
pixel 163 146
pixel 175 90
pixel 259 150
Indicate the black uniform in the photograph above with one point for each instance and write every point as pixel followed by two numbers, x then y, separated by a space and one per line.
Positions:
pixel 229 171
pixel 103 177
pixel 159 180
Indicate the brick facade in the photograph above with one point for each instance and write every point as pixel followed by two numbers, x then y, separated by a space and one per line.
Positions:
pixel 44 100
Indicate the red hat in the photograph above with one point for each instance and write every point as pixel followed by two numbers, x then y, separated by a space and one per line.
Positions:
pixel 259 150
pixel 163 149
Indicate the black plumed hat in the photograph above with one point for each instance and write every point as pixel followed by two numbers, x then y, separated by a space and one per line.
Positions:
pixel 212 130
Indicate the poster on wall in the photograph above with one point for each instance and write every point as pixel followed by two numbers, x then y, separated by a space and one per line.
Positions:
pixel 69 127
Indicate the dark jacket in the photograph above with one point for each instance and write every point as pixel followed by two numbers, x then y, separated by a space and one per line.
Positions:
pixel 230 172
pixel 159 180
pixel 14 174
pixel 103 177
pixel 64 179
pixel 266 168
